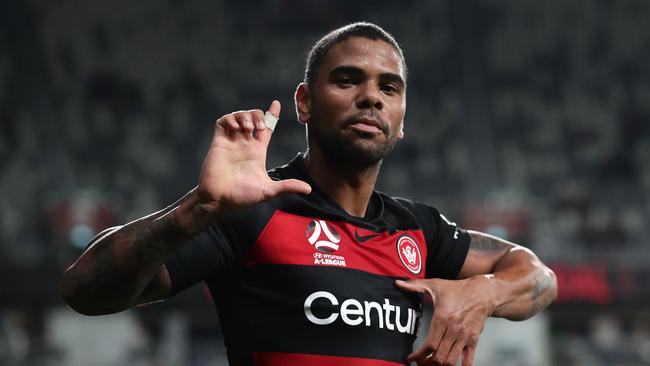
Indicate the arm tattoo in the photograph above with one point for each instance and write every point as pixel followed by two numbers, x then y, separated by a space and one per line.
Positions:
pixel 487 244
pixel 119 264
pixel 540 296
pixel 155 242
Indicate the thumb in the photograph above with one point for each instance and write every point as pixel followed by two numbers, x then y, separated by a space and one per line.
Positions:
pixel 288 186
pixel 417 286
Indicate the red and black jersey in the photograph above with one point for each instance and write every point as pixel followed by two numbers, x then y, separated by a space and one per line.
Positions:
pixel 296 280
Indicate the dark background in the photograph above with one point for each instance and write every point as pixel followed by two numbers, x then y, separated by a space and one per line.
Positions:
pixel 526 119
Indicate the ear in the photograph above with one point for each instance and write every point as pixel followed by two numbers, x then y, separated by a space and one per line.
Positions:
pixel 303 103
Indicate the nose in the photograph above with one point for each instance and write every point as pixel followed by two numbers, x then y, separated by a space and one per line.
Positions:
pixel 370 97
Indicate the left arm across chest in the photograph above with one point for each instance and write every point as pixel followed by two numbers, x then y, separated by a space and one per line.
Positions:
pixel 519 284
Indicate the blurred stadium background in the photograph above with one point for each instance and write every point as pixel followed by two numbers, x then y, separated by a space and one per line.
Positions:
pixel 527 119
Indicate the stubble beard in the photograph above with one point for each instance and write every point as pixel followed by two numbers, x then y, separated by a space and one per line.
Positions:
pixel 350 148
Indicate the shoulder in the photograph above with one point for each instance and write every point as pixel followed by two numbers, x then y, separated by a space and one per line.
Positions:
pixel 423 212
pixel 426 217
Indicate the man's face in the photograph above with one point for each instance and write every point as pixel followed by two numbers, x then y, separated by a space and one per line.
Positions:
pixel 355 107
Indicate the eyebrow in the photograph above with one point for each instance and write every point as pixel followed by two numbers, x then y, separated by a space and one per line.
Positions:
pixel 388 76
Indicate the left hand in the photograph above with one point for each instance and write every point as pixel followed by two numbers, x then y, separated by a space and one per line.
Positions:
pixel 460 310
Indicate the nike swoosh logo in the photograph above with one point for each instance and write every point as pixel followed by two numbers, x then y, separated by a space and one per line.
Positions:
pixel 364 238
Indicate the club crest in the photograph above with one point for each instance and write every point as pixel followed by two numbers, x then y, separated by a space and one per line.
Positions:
pixel 409 253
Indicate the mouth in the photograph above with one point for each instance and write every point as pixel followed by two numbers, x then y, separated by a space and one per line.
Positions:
pixel 366 124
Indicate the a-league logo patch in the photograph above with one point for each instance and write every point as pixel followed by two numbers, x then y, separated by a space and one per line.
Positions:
pixel 326 240
pixel 323 236
pixel 409 253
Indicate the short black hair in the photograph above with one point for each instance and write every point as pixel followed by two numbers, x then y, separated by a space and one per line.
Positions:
pixel 360 29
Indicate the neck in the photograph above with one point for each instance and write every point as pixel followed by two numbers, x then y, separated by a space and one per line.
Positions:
pixel 348 185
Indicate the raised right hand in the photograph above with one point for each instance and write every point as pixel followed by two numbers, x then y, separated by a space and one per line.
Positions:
pixel 234 175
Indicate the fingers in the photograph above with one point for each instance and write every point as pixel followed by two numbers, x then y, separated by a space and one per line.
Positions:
pixel 468 355
pixel 456 322
pixel 442 357
pixel 430 346
pixel 457 336
pixel 447 334
pixel 239 123
pixel 445 349
pixel 454 353
pixel 258 119
pixel 228 122
pixel 422 356
pixel 246 122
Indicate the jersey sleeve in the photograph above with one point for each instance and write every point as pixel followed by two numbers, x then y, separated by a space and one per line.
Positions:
pixel 203 256
pixel 218 249
pixel 447 244
pixel 447 248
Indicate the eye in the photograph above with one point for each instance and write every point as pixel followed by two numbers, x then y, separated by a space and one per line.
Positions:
pixel 389 89
pixel 345 80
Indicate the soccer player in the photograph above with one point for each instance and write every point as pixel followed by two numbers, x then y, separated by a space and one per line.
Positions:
pixel 308 264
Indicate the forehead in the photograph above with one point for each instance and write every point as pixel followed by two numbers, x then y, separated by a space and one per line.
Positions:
pixel 367 54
